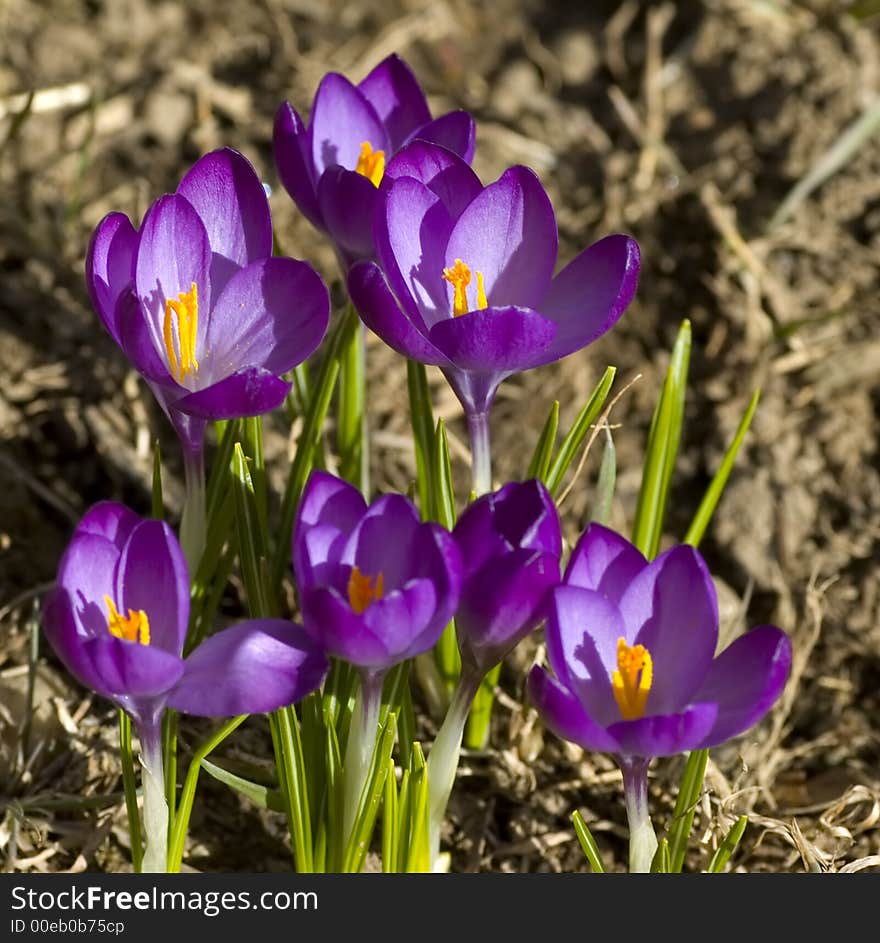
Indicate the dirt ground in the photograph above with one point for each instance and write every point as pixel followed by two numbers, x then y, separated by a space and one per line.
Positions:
pixel 685 124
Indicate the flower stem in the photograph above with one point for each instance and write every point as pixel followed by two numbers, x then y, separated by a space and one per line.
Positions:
pixel 193 524
pixel 443 758
pixel 481 453
pixel 155 805
pixel 361 743
pixel 642 840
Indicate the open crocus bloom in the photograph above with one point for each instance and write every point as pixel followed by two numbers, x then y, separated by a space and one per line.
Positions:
pixel 465 274
pixel 118 616
pixel 632 645
pixel 510 543
pixel 197 302
pixel 376 585
pixel 332 168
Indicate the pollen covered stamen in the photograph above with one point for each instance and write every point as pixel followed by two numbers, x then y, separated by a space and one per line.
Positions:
pixel 631 682
pixel 135 627
pixel 363 589
pixel 179 333
pixel 459 276
pixel 371 164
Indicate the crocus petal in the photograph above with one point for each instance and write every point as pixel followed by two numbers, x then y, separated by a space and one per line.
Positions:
pixel 665 734
pixel 252 668
pixel 524 513
pixel 342 119
pixel 131 669
pixel 60 628
pixel 248 392
pixel 406 621
pixel 340 631
pixel 110 266
pixel 671 608
pixel 111 520
pixel 604 561
pixel 152 558
pixel 590 294
pixel 386 532
pixel 745 681
pixel 226 192
pixel 509 234
pixel 492 340
pixel 582 633
pixel 455 130
pixel 272 314
pixel 137 340
pixel 381 313
pixel 563 714
pixel 397 98
pixel 173 253
pixel 440 170
pixel 346 200
pixel 292 151
pixel 87 571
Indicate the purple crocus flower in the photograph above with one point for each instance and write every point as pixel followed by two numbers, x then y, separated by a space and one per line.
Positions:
pixel 332 168
pixel 117 618
pixel 198 304
pixel 632 647
pixel 465 279
pixel 376 586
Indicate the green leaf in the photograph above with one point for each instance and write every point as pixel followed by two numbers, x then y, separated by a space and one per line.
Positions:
pixel 662 449
pixel 605 485
pixel 418 856
pixel 422 421
pixel 157 504
pixel 446 652
pixel 572 442
pixel 661 861
pixel 390 823
pixel 476 734
pixel 129 785
pixel 540 463
pixel 351 426
pixel 292 778
pixel 689 792
pixel 728 846
pixel 253 449
pixel 260 795
pixel 588 843
pixel 253 539
pixel 716 488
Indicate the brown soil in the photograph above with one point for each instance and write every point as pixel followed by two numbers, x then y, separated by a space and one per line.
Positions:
pixel 683 124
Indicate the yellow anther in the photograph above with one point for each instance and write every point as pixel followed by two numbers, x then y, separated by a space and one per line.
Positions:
pixel 371 164
pixel 459 276
pixel 135 627
pixel 179 332
pixel 631 682
pixel 363 590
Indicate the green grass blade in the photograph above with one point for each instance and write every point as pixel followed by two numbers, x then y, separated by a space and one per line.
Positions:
pixel 252 428
pixel 252 538
pixel 728 846
pixel 260 795
pixel 580 428
pixel 351 426
pixel 289 760
pixel 157 502
pixel 421 415
pixel 390 823
pixel 446 652
pixel 716 488
pixel 129 785
pixel 689 791
pixel 588 843
pixel 607 480
pixel 662 448
pixel 539 466
pixel 661 863
pixel 479 722
pixel 418 855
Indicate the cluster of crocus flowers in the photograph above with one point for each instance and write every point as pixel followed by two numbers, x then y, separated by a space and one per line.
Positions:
pixel 117 618
pixel 203 310
pixel 632 645
pixel 464 279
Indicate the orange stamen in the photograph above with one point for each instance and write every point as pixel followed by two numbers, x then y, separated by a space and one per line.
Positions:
pixel 363 589
pixel 631 683
pixel 135 627
pixel 371 164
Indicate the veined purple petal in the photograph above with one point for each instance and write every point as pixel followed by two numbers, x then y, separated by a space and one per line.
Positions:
pixel 342 119
pixel 110 520
pixel 604 561
pixel 251 391
pixel 226 192
pixel 385 537
pixel 455 130
pixel 745 681
pixel 131 669
pixel 582 632
pixel 381 313
pixel 272 314
pixel 340 631
pixel 440 170
pixel 406 620
pixel 110 266
pixel 671 608
pixel 292 151
pixel 565 716
pixel 67 640
pixel 397 98
pixel 508 233
pixel 665 734
pixel 493 340
pixel 86 572
pixel 138 342
pixel 152 560
pixel 252 668
pixel 346 200
pixel 590 294
pixel 173 254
